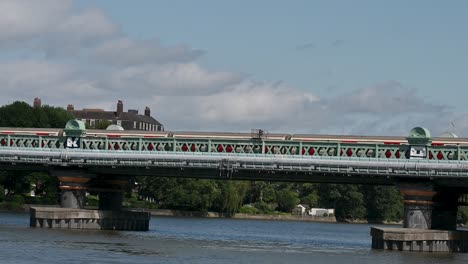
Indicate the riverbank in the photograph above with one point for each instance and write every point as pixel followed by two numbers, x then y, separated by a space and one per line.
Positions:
pixel 282 217
pixel 180 213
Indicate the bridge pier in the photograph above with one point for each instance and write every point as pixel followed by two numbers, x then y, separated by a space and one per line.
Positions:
pixel 429 222
pixel 73 186
pixel 73 215
pixel 110 189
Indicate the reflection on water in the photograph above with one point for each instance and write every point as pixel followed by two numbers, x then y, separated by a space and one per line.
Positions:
pixel 202 240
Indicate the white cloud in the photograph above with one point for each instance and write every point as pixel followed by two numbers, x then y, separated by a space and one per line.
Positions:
pixel 89 24
pixel 125 52
pixel 21 19
pixel 387 98
pixel 171 79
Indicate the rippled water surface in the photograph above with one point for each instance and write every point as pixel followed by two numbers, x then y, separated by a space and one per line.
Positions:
pixel 202 240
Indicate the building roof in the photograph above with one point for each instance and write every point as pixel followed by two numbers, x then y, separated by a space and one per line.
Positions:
pixel 112 115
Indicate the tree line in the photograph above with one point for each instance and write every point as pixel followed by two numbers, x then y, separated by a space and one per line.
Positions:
pixel 351 202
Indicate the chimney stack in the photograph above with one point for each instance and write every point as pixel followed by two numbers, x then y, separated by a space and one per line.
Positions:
pixel 37 102
pixel 70 107
pixel 147 111
pixel 119 107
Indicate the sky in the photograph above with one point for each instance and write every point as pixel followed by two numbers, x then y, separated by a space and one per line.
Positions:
pixel 331 67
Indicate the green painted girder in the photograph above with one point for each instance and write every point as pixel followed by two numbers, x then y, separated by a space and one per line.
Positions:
pixel 251 146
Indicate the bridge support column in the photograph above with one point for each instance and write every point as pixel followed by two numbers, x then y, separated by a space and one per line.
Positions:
pixel 444 212
pixel 429 222
pixel 110 201
pixel 109 216
pixel 418 205
pixel 111 190
pixel 73 188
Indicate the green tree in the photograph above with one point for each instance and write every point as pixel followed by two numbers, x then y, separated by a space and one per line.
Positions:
pixel 21 114
pixel 287 200
pixel 17 114
pixel 57 116
pixel 232 196
pixel 462 215
pixel 347 200
pixel 383 203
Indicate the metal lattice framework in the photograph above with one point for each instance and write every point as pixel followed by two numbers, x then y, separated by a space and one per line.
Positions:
pixel 243 158
pixel 253 146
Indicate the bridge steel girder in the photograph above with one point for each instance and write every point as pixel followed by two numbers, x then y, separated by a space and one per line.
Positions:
pixel 251 167
pixel 238 146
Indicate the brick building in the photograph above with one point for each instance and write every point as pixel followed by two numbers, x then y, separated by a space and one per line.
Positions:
pixel 130 120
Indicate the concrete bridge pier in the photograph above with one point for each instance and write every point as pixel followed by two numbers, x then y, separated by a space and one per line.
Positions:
pixel 418 205
pixel 445 208
pixel 72 213
pixel 110 190
pixel 73 186
pixel 429 222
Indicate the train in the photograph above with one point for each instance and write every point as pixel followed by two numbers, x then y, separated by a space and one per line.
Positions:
pixel 437 141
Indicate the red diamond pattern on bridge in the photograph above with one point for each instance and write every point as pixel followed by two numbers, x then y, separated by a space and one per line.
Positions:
pixel 184 147
pixel 349 152
pixel 220 148
pixel 229 149
pixel 150 146
pixel 397 154
pixel 193 148
pixel 311 151
pixel 3 142
pixel 116 146
pixel 388 154
pixel 431 156
pixel 440 155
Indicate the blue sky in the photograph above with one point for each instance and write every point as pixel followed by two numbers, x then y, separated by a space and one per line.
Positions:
pixel 360 67
pixel 319 45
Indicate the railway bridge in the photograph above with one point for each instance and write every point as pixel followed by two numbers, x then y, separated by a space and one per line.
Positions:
pixel 431 173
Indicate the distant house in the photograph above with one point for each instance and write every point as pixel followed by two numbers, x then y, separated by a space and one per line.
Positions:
pixel 320 212
pixel 130 120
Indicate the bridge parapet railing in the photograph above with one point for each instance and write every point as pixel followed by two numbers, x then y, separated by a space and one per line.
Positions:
pixel 28 141
pixel 233 146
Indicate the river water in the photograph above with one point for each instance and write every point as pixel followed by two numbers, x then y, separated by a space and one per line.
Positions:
pixel 203 240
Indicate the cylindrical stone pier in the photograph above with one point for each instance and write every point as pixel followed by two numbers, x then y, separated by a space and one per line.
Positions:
pixel 109 216
pixel 429 222
pixel 418 207
pixel 73 186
